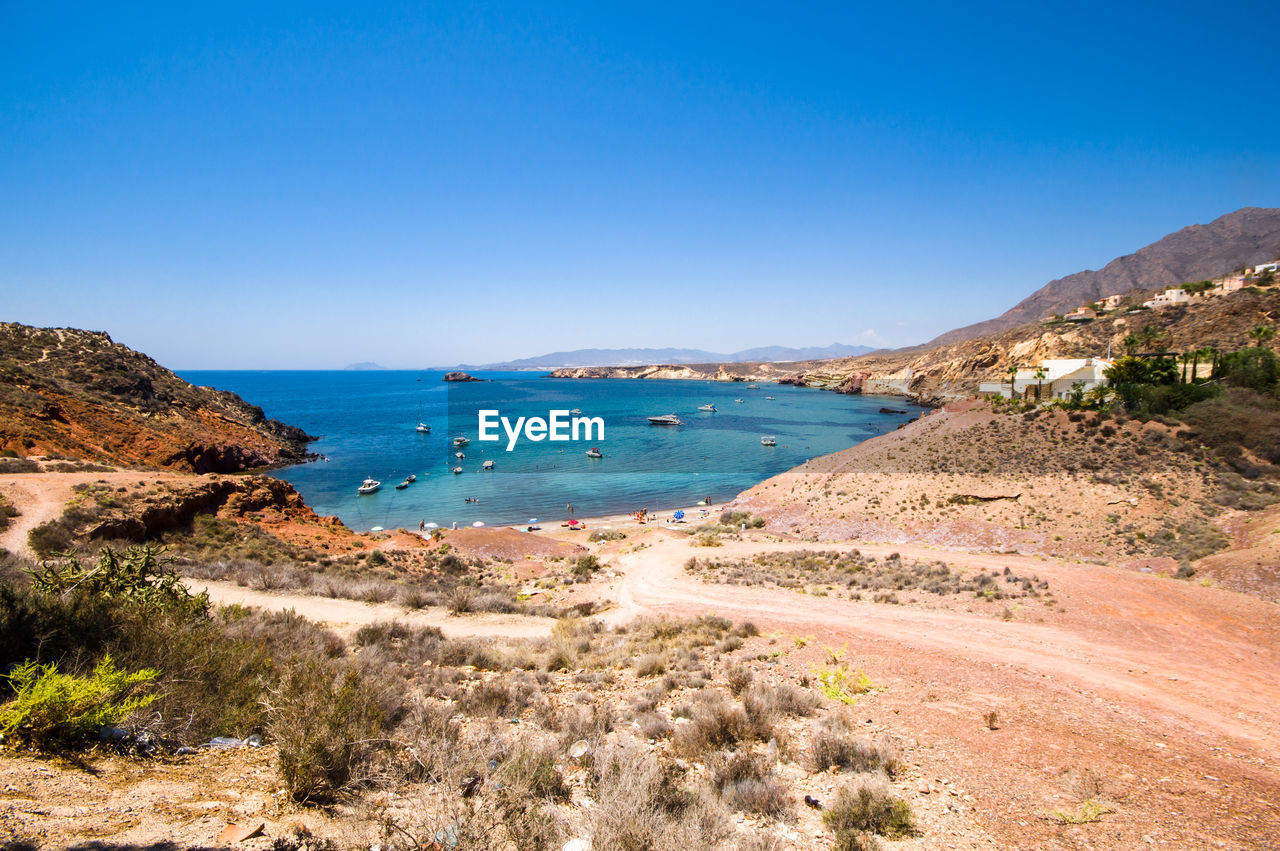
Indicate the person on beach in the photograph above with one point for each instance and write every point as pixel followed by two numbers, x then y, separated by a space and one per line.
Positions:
pixel 569 508
pixel 422 525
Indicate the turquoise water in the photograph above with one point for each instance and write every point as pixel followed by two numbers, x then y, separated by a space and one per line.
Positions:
pixel 366 424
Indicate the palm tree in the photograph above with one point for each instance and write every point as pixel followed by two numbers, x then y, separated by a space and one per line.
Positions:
pixel 1261 333
pixel 1040 375
pixel 1151 336
pixel 1186 357
pixel 1012 372
pixel 1131 344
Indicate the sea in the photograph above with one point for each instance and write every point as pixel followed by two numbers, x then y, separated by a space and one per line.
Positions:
pixel 366 423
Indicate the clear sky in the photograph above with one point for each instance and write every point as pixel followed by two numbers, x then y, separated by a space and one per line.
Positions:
pixel 229 185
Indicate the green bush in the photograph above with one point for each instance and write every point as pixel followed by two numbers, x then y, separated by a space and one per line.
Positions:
pixel 54 710
pixel 137 575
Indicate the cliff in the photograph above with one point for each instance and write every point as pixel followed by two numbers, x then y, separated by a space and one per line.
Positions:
pixel 79 394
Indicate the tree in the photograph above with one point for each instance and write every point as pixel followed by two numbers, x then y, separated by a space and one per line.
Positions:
pixel 1261 334
pixel 1132 343
pixel 1198 287
pixel 1152 336
pixel 1040 376
pixel 1012 372
pixel 1266 279
pixel 1185 358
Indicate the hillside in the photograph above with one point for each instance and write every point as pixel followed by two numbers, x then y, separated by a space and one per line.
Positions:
pixel 1246 237
pixel 79 394
pixel 938 373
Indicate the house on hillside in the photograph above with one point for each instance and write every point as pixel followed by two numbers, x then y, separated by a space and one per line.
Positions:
pixel 1081 314
pixel 1229 284
pixel 1273 266
pixel 1169 297
pixel 1061 375
pixel 1111 302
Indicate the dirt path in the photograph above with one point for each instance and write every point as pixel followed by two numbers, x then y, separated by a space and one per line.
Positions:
pixel 346 616
pixel 1158 685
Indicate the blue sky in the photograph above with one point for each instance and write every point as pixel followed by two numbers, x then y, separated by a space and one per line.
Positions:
pixel 308 185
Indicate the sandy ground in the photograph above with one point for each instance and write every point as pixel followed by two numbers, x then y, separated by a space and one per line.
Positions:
pixel 1160 698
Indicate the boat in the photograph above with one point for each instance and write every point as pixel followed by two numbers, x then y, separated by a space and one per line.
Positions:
pixel 411 478
pixel 461 441
pixel 666 419
pixel 576 411
pixel 739 401
pixel 369 486
pixel 457 471
pixel 753 386
pixel 487 465
pixel 402 485
pixel 422 428
pixel 768 440
pixel 770 397
pixel 594 453
pixel 459 455
pixel 710 408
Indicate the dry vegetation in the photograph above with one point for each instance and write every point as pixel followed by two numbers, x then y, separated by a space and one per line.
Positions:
pixel 852 574
pixel 647 736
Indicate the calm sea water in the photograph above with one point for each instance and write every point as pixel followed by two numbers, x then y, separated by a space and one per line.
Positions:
pixel 366 421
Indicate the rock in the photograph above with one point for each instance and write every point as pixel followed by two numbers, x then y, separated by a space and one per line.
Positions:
pixel 458 376
pixel 240 832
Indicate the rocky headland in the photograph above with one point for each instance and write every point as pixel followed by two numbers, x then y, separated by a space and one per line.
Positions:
pixel 78 394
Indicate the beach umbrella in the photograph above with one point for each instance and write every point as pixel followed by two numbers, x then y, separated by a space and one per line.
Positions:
pixel 533 519
pixel 679 515
pixel 477 524
pixel 432 526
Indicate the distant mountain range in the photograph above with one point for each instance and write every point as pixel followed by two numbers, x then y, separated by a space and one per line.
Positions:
pixel 364 365
pixel 1249 236
pixel 636 357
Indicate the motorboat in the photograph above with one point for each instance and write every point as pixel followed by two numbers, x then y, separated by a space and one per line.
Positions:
pixel 457 471
pixel 594 453
pixel 753 386
pixel 770 397
pixel 739 401
pixel 709 408
pixel 411 478
pixel 422 428
pixel 402 485
pixel 461 441
pixel 576 411
pixel 368 486
pixel 768 440
pixel 459 455
pixel 487 465
pixel 666 419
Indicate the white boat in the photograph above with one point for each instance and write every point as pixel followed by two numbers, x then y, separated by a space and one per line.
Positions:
pixel 576 411
pixel 459 455
pixel 594 453
pixel 768 440
pixel 461 441
pixel 411 478
pixel 739 401
pixel 369 486
pixel 487 465
pixel 710 408
pixel 666 419
pixel 769 397
pixel 753 386
pixel 422 428
pixel 457 471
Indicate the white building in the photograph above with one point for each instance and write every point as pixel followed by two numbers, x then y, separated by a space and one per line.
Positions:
pixel 1061 375
pixel 1168 297
pixel 1273 266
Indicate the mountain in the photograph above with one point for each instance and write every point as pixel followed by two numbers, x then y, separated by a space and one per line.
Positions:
pixel 1249 236
pixel 364 366
pixel 635 357
pixel 79 394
